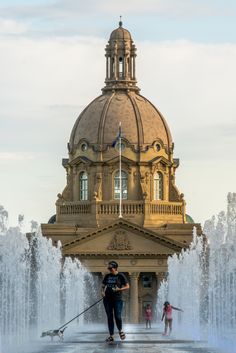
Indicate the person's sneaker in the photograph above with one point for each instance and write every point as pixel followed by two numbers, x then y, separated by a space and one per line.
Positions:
pixel 122 335
pixel 110 339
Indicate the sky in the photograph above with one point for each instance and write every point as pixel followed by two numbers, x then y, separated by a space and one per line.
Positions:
pixel 52 65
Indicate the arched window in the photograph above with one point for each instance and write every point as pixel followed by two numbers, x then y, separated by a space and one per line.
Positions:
pixel 124 183
pixel 120 67
pixel 83 186
pixel 158 186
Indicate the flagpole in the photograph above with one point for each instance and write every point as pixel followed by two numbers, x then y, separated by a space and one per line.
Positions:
pixel 120 208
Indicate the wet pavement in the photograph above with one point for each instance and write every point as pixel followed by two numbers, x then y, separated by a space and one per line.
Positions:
pixel 138 340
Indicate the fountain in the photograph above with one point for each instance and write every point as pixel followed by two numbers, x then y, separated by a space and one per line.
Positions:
pixel 38 290
pixel 202 281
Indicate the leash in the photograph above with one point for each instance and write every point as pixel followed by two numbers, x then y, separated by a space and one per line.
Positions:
pixel 81 313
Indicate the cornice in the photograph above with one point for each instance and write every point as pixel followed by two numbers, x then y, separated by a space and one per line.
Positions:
pixel 120 255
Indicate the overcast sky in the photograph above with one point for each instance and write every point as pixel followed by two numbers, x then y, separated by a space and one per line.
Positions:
pixel 52 65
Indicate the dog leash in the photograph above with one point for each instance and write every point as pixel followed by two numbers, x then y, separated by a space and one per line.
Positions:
pixel 81 313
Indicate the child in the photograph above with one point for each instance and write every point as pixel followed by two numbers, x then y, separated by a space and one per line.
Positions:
pixel 167 314
pixel 148 316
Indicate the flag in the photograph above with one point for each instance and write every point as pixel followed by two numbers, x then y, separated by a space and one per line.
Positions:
pixel 118 136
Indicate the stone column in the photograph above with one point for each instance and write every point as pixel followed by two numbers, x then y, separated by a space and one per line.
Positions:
pixel 134 68
pixel 134 305
pixel 112 74
pixel 107 63
pixel 76 195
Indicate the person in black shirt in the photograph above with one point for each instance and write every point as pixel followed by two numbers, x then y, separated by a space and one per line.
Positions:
pixel 112 286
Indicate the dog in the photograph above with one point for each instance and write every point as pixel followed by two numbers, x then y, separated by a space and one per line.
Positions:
pixel 54 333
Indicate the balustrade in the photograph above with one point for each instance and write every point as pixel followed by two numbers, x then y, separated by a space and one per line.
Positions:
pixel 105 208
pixel 75 208
pixel 166 208
pixel 128 208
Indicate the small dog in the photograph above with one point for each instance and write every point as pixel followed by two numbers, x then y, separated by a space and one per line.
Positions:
pixel 54 333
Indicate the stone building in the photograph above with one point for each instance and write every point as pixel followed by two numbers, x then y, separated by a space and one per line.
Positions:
pixel 154 223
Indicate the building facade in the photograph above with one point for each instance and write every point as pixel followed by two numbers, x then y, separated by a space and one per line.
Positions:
pixel 154 223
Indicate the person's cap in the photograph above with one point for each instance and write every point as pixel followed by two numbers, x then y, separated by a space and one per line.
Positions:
pixel 112 264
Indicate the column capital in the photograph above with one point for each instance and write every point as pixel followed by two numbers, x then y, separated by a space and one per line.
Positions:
pixel 134 274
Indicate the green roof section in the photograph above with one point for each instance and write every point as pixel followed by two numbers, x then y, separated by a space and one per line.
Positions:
pixel 189 219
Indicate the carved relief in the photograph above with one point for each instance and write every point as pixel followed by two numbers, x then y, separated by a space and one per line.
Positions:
pixel 120 241
pixel 162 166
pixel 97 186
pixel 174 192
pixel 144 184
pixel 65 196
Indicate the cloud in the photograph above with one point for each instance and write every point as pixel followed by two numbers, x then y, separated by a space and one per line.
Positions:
pixel 168 19
pixel 8 26
pixel 170 8
pixel 15 156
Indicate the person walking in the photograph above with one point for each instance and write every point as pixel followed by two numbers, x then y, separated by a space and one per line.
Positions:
pixel 148 316
pixel 113 284
pixel 167 314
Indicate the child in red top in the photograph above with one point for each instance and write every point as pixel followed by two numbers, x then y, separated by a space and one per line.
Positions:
pixel 167 314
pixel 148 315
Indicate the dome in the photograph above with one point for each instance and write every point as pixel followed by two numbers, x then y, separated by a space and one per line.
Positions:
pixel 141 122
pixel 189 219
pixel 52 219
pixel 120 34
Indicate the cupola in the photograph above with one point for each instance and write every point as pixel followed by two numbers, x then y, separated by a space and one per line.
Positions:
pixel 120 61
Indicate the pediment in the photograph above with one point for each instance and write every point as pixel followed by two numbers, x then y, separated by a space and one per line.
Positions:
pixel 162 159
pixel 116 160
pixel 81 159
pixel 122 237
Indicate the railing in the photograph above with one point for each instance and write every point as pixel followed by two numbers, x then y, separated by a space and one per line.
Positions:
pixel 75 208
pixel 128 208
pixel 162 207
pixel 105 208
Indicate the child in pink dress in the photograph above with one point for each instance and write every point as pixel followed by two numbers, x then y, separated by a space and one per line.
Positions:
pixel 148 315
pixel 167 314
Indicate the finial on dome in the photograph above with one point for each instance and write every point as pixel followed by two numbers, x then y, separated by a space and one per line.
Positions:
pixel 120 22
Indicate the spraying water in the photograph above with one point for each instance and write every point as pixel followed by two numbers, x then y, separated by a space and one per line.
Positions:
pixel 202 281
pixel 37 290
pixel 222 277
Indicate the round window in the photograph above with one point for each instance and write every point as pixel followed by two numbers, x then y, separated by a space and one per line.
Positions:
pixel 84 147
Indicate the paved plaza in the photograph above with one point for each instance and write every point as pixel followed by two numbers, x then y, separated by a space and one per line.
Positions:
pixel 139 340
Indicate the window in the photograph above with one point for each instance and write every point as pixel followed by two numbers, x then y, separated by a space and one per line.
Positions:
pixel 147 280
pixel 158 147
pixel 124 182
pixel 120 67
pixel 84 147
pixel 83 186
pixel 158 186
